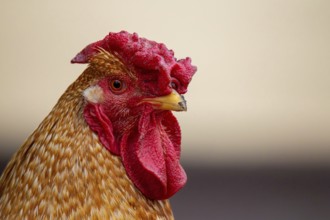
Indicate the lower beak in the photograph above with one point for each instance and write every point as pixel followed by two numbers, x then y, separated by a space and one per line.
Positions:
pixel 174 101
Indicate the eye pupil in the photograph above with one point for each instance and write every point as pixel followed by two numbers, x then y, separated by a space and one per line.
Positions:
pixel 116 84
pixel 173 85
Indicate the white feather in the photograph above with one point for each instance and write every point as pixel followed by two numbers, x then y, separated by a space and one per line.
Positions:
pixel 94 94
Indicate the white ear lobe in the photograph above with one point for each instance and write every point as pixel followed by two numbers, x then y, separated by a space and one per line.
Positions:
pixel 94 94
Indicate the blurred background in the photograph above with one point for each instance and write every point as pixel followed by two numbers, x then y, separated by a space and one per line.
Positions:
pixel 256 137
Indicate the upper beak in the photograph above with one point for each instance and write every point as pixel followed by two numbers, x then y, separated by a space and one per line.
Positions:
pixel 174 101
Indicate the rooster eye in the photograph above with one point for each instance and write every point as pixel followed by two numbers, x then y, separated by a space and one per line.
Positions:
pixel 117 86
pixel 174 84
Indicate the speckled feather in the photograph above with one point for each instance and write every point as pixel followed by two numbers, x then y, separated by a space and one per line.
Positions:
pixel 62 171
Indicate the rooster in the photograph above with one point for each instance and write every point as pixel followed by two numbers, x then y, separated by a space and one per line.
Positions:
pixel 110 148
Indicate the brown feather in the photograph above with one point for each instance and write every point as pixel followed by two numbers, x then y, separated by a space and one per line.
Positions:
pixel 62 171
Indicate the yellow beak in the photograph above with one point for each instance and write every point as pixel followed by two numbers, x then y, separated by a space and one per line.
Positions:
pixel 174 101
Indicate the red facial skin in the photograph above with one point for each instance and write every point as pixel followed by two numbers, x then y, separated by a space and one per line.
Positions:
pixel 147 140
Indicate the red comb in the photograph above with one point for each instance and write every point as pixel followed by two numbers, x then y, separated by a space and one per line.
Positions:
pixel 141 54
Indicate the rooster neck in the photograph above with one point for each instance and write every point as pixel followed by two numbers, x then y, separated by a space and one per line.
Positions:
pixel 63 171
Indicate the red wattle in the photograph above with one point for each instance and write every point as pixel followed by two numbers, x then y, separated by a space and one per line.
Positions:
pixel 101 124
pixel 151 154
pixel 150 151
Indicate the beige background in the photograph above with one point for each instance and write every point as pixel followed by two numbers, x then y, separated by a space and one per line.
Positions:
pixel 261 94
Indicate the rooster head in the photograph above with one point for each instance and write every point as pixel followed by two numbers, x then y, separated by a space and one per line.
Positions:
pixel 129 108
